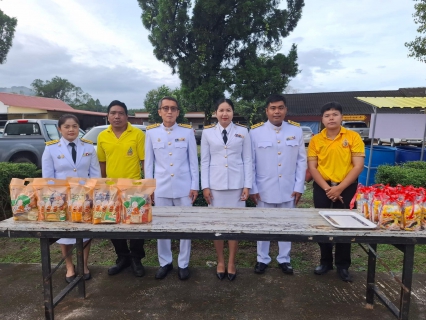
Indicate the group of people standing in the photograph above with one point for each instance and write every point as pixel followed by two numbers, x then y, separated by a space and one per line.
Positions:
pixel 267 164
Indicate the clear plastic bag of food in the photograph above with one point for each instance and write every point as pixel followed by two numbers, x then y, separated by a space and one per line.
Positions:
pixel 106 202
pixel 23 200
pixel 391 215
pixel 51 199
pixel 136 200
pixel 80 199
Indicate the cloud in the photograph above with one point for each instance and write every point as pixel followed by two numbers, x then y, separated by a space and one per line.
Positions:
pixel 48 60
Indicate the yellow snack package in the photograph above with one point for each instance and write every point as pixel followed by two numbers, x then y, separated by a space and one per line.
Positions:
pixel 80 199
pixel 391 216
pixel 136 200
pixel 106 201
pixel 51 199
pixel 23 200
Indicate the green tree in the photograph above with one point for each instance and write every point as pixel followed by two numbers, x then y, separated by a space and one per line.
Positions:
pixel 211 46
pixel 155 95
pixel 417 47
pixel 62 89
pixel 7 31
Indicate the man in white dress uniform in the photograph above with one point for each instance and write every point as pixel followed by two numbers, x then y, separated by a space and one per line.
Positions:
pixel 171 158
pixel 279 167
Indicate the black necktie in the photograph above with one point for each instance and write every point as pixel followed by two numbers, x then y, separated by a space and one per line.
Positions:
pixel 225 138
pixel 73 152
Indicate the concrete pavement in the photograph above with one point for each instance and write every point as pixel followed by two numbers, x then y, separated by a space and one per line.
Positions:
pixel 273 295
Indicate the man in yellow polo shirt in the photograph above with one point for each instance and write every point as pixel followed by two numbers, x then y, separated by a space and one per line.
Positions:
pixel 335 160
pixel 121 151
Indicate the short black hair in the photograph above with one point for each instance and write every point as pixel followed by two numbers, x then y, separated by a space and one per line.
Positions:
pixel 167 98
pixel 333 105
pixel 275 98
pixel 65 117
pixel 117 103
pixel 222 100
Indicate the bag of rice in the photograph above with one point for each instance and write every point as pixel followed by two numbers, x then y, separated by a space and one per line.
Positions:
pixel 51 199
pixel 136 200
pixel 23 200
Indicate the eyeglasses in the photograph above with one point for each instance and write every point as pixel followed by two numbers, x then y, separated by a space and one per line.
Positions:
pixel 167 109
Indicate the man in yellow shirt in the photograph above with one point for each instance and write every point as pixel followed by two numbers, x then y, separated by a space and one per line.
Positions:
pixel 335 160
pixel 121 151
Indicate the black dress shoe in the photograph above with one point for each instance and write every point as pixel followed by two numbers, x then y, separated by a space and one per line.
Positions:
pixel 70 279
pixel 183 273
pixel 260 267
pixel 137 267
pixel 232 276
pixel 286 267
pixel 322 269
pixel 121 264
pixel 163 271
pixel 221 275
pixel 87 276
pixel 344 274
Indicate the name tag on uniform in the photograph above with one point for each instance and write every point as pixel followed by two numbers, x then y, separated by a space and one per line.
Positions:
pixel 87 154
pixel 291 138
pixel 239 135
pixel 179 139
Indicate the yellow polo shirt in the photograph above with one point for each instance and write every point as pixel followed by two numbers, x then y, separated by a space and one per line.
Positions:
pixel 335 156
pixel 122 155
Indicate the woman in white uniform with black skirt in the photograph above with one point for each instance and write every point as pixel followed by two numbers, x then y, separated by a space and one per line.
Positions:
pixel 226 173
pixel 70 157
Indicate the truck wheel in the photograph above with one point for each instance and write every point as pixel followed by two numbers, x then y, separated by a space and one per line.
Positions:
pixel 21 160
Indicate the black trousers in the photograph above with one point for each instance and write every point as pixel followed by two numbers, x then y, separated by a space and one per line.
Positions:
pixel 136 248
pixel 342 253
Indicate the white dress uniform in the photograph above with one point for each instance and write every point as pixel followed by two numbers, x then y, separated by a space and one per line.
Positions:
pixel 57 163
pixel 171 158
pixel 279 168
pixel 226 168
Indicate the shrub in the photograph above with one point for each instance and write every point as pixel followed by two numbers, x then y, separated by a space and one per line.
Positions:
pixel 409 173
pixel 7 172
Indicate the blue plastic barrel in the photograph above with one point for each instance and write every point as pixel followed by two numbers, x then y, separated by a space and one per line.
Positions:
pixel 381 155
pixel 407 153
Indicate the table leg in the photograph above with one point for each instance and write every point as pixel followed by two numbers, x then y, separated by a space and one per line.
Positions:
pixel 80 267
pixel 371 276
pixel 47 279
pixel 407 279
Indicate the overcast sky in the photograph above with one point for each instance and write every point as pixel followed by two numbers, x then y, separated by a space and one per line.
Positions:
pixel 102 47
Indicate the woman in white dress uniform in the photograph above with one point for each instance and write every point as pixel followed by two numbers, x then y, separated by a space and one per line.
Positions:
pixel 226 173
pixel 70 157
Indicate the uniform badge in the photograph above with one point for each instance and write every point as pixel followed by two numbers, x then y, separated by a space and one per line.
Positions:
pixel 291 138
pixel 86 154
pixel 130 151
pixel 345 143
pixel 158 139
pixel 179 139
pixel 59 145
pixel 239 135
pixel 61 156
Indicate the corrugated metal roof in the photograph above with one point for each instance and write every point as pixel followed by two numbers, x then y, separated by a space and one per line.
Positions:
pixel 49 104
pixel 395 102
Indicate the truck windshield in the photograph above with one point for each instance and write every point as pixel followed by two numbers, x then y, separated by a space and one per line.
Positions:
pixel 15 129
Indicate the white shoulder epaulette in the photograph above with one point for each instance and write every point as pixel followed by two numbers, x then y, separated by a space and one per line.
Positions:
pixel 152 126
pixel 257 125
pixel 183 125
pixel 87 141
pixel 294 123
pixel 48 143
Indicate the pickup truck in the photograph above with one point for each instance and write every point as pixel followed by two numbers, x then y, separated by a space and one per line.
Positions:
pixel 23 140
pixel 360 127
